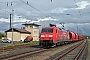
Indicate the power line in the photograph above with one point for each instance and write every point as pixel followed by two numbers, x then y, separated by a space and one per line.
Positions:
pixel 78 9
pixel 34 8
pixel 4 10
pixel 79 31
pixel 7 4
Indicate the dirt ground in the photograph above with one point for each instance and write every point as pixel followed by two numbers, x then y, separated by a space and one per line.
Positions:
pixel 88 57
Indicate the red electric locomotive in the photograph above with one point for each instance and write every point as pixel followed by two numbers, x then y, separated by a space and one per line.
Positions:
pixel 52 35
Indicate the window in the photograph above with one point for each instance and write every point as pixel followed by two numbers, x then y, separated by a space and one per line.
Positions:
pixel 26 26
pixel 35 32
pixel 31 26
pixel 35 27
pixel 56 30
pixel 47 30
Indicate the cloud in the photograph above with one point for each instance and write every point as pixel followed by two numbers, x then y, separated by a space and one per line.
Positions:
pixel 59 10
pixel 56 9
pixel 79 5
pixel 82 4
pixel 44 19
pixel 15 19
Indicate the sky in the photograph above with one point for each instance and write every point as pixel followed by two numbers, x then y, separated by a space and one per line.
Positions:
pixel 73 13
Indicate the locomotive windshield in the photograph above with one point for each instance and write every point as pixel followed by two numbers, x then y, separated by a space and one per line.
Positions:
pixel 47 30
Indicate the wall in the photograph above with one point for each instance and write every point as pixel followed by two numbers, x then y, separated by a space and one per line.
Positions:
pixel 16 36
pixel 34 31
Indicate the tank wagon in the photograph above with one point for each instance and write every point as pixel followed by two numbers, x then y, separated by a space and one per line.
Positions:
pixel 28 39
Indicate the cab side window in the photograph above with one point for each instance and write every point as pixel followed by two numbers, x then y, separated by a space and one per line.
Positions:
pixel 56 30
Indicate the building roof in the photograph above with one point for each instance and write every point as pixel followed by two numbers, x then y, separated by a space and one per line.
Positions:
pixel 31 24
pixel 18 30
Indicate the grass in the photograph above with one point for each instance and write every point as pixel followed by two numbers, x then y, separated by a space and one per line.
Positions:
pixel 20 43
pixel 89 46
pixel 8 45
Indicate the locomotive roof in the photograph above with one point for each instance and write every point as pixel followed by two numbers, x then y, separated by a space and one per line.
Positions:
pixel 48 27
pixel 51 27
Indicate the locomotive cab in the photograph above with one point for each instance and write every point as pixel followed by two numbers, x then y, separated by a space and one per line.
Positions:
pixel 46 36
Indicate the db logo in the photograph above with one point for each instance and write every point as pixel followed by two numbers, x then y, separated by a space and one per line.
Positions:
pixel 46 35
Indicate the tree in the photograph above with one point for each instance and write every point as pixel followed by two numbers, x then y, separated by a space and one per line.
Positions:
pixel 2 35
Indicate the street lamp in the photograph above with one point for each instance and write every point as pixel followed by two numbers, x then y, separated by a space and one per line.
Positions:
pixel 12 25
pixel 11 20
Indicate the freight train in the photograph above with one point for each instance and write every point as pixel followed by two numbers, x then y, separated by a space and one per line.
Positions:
pixel 53 36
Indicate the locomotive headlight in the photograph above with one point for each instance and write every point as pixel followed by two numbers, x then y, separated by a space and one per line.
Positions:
pixel 50 35
pixel 42 35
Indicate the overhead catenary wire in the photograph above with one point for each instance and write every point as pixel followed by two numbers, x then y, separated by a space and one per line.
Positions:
pixel 78 9
pixel 27 3
pixel 4 10
pixel 7 4
pixel 36 8
pixel 80 15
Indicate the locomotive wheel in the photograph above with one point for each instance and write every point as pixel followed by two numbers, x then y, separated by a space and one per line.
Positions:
pixel 58 44
pixel 54 45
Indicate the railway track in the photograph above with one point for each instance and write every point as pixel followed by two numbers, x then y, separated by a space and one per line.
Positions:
pixel 73 53
pixel 5 49
pixel 46 54
pixel 20 55
pixel 29 53
pixel 13 47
